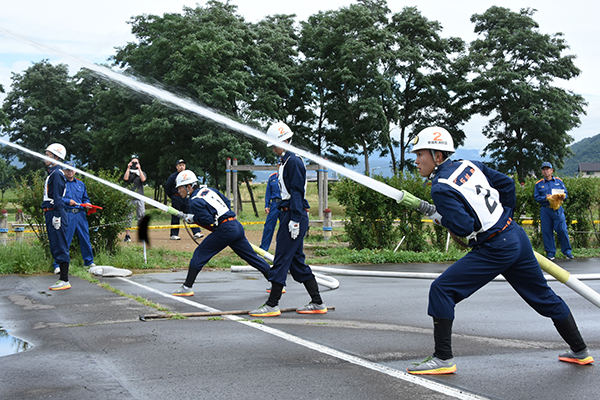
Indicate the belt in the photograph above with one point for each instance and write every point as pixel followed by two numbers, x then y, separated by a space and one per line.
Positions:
pixel 497 232
pixel 275 200
pixel 47 209
pixel 227 220
pixel 287 208
pixel 73 210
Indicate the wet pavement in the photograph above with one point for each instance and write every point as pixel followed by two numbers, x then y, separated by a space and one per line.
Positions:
pixel 88 342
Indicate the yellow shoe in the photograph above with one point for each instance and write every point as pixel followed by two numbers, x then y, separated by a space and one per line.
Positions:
pixel 433 366
pixel 60 285
pixel 265 311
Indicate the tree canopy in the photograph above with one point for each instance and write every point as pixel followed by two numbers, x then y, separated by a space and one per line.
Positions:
pixel 516 67
pixel 342 80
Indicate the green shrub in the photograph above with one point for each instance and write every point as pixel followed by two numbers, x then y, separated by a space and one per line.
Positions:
pixel 376 221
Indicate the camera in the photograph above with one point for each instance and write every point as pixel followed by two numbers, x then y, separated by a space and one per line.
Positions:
pixel 134 165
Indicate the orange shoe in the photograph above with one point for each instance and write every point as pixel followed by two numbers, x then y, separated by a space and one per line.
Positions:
pixel 312 308
pixel 581 357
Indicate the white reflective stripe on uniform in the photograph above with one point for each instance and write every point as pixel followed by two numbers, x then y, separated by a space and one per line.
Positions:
pixel 285 194
pixel 46 198
pixel 472 183
pixel 213 200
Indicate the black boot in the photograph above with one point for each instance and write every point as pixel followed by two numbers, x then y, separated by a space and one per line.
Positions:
pixel 567 328
pixel 442 336
pixel 275 295
pixel 313 290
pixel 191 277
pixel 64 271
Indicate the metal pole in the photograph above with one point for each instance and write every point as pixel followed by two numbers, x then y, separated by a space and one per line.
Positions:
pixel 234 187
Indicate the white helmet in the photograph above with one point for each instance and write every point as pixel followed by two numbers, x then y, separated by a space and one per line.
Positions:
pixel 185 178
pixel 279 132
pixel 433 138
pixel 58 150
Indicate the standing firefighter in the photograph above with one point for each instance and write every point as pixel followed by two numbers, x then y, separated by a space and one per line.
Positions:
pixel 293 224
pixel 210 209
pixel 55 214
pixel 272 199
pixel 550 192
pixel 477 203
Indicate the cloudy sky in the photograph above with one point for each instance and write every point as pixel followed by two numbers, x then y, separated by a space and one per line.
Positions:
pixel 91 30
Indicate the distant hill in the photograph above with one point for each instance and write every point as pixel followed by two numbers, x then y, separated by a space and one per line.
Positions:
pixel 586 150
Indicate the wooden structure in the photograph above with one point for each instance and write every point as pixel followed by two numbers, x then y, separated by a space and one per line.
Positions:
pixel 231 182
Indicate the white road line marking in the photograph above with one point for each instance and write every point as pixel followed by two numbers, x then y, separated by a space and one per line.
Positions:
pixel 417 380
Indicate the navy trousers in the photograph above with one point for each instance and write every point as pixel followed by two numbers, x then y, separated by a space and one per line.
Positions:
pixel 230 233
pixel 59 247
pixel 77 223
pixel 509 253
pixel 289 254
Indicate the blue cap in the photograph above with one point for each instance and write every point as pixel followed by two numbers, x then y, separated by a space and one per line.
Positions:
pixel 546 164
pixel 70 164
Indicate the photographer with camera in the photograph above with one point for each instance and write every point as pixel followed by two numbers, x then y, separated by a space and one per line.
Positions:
pixel 135 178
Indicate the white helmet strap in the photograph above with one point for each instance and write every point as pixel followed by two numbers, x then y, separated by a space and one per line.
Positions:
pixel 430 177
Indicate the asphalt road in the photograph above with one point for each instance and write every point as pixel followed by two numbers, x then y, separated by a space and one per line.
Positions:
pixel 89 343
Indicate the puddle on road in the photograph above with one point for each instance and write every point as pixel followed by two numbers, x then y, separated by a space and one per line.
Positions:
pixel 10 344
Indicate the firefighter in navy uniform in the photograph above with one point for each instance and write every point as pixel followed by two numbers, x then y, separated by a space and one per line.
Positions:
pixel 477 202
pixel 293 225
pixel 550 192
pixel 272 199
pixel 211 210
pixel 177 202
pixel 55 214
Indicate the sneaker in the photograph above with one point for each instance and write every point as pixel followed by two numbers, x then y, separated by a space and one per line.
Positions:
pixel 127 238
pixel 312 308
pixel 265 311
pixel 60 285
pixel 581 357
pixel 175 237
pixel 551 258
pixel 570 256
pixel 56 270
pixel 198 235
pixel 433 366
pixel 183 291
pixel 282 290
pixel 92 265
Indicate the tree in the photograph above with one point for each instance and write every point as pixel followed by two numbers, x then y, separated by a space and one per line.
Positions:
pixel 3 118
pixel 7 175
pixel 40 108
pixel 515 67
pixel 210 55
pixel 424 71
pixel 345 48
